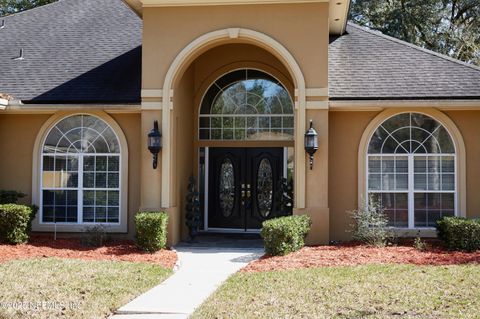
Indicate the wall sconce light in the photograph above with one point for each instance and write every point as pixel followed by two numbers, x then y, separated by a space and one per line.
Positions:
pixel 311 142
pixel 155 143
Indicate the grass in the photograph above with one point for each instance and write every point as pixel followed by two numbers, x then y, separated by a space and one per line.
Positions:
pixel 67 288
pixel 372 291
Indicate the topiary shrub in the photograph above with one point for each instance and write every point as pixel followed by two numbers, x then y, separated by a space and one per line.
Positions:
pixel 151 230
pixel 459 233
pixel 14 223
pixel 284 235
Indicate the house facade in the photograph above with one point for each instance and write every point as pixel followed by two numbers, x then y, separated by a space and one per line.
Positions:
pixel 234 86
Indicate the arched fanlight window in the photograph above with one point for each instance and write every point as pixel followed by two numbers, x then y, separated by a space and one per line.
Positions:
pixel 246 105
pixel 412 170
pixel 81 172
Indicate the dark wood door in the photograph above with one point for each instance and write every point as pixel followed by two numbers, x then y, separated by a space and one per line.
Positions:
pixel 242 186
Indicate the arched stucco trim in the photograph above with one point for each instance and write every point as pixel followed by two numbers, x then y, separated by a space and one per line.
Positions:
pixel 122 227
pixel 449 125
pixel 215 38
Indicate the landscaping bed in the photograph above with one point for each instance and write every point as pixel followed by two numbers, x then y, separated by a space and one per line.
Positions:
pixel 356 254
pixel 44 246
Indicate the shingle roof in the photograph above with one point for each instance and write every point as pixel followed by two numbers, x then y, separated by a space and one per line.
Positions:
pixel 89 51
pixel 365 64
pixel 85 51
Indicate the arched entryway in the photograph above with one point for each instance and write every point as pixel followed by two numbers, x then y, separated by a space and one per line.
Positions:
pixel 235 98
pixel 187 77
pixel 241 176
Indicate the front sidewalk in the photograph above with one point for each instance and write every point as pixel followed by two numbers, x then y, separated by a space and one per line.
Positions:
pixel 201 271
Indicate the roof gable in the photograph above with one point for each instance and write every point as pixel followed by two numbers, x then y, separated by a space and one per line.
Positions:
pixel 365 64
pixel 85 51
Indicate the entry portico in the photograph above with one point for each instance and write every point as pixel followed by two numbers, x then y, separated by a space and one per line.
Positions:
pixel 270 44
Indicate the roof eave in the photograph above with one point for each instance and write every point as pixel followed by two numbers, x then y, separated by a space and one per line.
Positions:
pixel 338 9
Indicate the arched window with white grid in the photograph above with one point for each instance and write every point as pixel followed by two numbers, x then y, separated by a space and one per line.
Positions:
pixel 246 104
pixel 81 167
pixel 411 166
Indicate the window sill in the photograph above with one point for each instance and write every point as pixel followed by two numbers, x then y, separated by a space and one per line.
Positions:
pixel 77 228
pixel 415 232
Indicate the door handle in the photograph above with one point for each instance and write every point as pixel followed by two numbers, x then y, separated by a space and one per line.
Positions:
pixel 249 193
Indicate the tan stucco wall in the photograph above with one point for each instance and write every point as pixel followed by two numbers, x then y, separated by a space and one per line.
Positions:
pixel 346 129
pixel 468 124
pixel 184 160
pixel 307 41
pixel 222 59
pixel 17 138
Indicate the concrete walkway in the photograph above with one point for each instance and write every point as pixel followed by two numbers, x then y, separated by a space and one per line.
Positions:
pixel 201 271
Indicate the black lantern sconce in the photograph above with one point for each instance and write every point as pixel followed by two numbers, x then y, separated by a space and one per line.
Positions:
pixel 155 143
pixel 311 142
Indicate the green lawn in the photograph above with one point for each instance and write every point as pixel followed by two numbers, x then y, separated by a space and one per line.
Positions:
pixel 54 288
pixel 373 291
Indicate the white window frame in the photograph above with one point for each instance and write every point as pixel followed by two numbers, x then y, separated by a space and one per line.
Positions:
pixel 37 187
pixel 80 188
pixel 411 188
pixel 411 179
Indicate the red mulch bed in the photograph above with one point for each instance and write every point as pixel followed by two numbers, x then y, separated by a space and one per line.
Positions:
pixel 45 246
pixel 355 254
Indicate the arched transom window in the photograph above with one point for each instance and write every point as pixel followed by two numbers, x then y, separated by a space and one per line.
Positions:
pixel 411 170
pixel 246 105
pixel 81 172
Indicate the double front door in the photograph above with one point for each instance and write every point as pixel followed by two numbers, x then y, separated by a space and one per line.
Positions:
pixel 242 186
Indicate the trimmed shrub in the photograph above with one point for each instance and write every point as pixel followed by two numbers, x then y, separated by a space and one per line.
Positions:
pixel 14 223
pixel 459 233
pixel 151 230
pixel 284 235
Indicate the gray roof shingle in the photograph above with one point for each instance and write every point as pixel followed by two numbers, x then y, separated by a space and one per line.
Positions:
pixel 85 51
pixel 89 51
pixel 365 64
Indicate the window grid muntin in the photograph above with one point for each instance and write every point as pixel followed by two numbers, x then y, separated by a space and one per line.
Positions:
pixel 206 132
pixel 80 157
pixel 98 134
pixel 411 175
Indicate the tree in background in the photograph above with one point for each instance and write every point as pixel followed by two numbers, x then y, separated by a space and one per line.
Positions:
pixel 451 27
pixel 13 6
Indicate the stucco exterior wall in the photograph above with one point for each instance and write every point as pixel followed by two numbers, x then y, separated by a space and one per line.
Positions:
pixel 17 137
pixel 468 124
pixel 346 129
pixel 280 21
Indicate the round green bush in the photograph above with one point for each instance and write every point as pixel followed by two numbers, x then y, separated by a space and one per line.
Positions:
pixel 284 235
pixel 14 223
pixel 151 230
